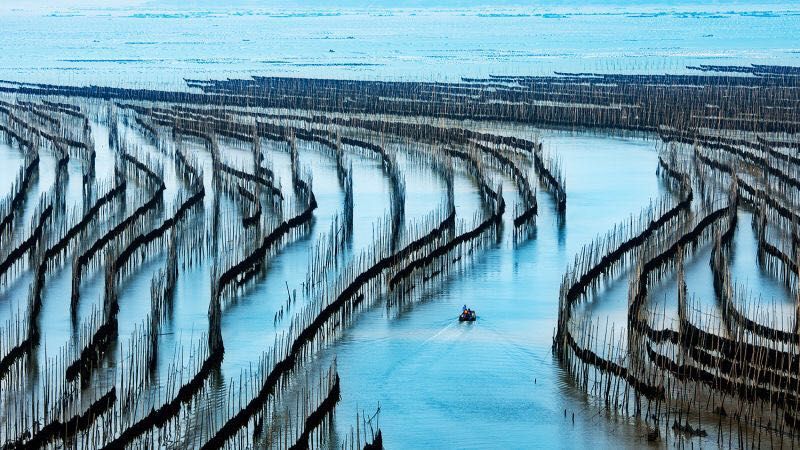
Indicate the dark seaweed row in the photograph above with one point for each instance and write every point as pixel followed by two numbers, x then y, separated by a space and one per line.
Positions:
pixel 26 174
pixel 446 248
pixel 274 191
pixel 750 193
pixel 64 108
pixel 152 175
pixel 43 116
pixel 64 430
pixel 485 189
pixel 463 135
pixel 720 270
pixel 159 417
pixel 56 140
pixel 774 251
pixel 688 239
pixel 253 219
pixel 54 107
pixel 758 161
pixel 755 69
pixel 761 144
pixel 556 186
pixel 741 389
pixel 147 126
pixel 254 258
pixel 523 185
pixel 36 234
pixel 146 238
pixel 589 357
pixel 22 140
pixel 315 419
pixel 605 365
pixel 194 173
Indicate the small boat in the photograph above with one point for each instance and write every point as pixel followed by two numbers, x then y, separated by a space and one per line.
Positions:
pixel 467 315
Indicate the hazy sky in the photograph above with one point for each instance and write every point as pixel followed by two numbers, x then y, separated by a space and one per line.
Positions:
pixel 38 6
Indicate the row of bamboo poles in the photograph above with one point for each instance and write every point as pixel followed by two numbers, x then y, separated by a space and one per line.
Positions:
pixel 725 146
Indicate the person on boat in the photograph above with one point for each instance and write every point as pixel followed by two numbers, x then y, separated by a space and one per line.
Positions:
pixel 467 314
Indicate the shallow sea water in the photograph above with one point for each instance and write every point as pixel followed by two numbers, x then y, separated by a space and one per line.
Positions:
pixel 444 40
